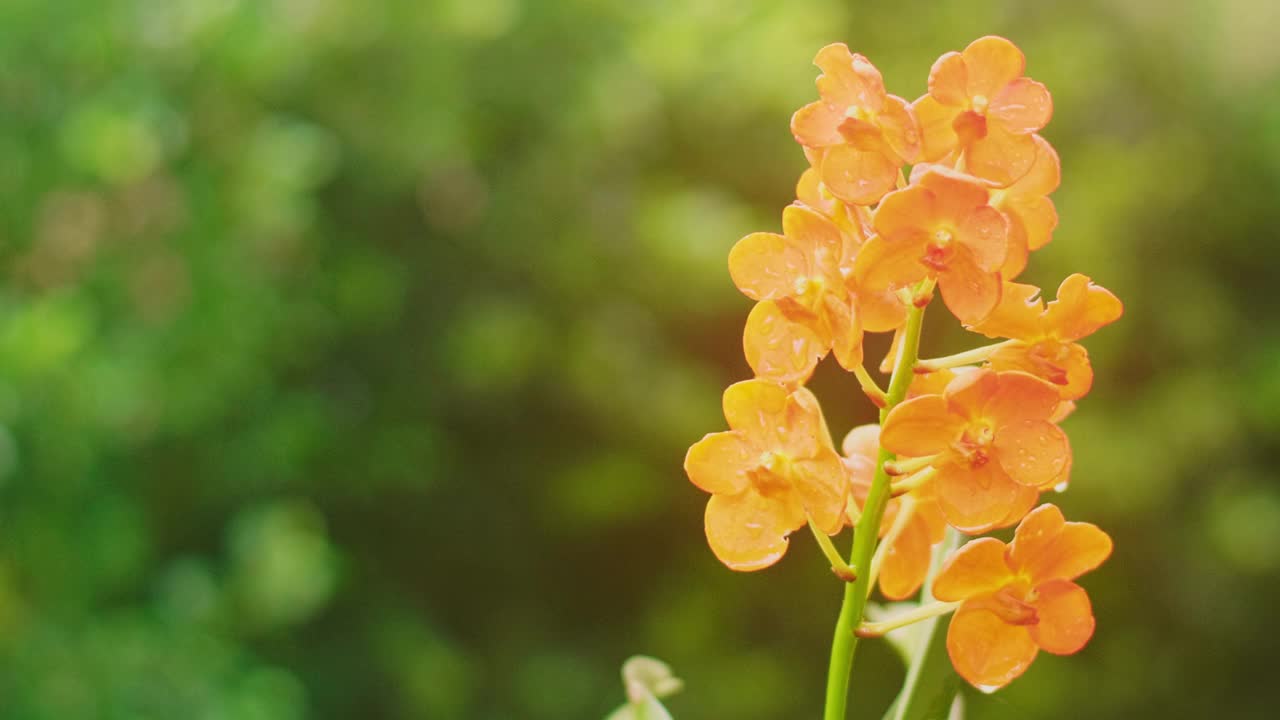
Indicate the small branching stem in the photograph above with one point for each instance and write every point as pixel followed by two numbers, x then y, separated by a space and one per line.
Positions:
pixel 924 612
pixel 968 357
pixel 906 466
pixel 906 508
pixel 869 385
pixel 842 569
pixel 854 513
pixel 912 482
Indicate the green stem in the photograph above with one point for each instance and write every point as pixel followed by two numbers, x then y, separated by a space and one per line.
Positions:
pixel 844 642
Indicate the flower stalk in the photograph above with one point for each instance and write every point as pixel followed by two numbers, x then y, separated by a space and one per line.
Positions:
pixel 924 612
pixel 912 482
pixel 841 568
pixel 909 465
pixel 869 386
pixel 862 250
pixel 968 357
pixel 906 509
pixel 844 643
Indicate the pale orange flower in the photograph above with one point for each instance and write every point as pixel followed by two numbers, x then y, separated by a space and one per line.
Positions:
pixel 1032 216
pixel 979 104
pixel 1020 598
pixel 774 467
pixel 932 383
pixel 941 227
pixel 879 311
pixel 906 562
pixel 1044 336
pixel 853 220
pixel 805 308
pixel 994 443
pixel 858 136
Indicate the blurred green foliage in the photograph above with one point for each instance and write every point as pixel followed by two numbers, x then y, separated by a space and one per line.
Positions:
pixel 349 351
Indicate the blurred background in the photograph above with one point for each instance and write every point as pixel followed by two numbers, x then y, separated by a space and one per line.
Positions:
pixel 349 351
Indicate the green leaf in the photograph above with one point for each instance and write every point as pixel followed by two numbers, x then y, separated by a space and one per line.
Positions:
pixel 931 682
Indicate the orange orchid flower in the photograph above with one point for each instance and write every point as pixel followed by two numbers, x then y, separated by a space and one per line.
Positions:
pixel 774 468
pixel 857 135
pixel 994 443
pixel 853 220
pixel 980 104
pixel 1020 598
pixel 805 307
pixel 1032 215
pixel 934 383
pixel 941 227
pixel 877 311
pixel 1044 336
pixel 906 562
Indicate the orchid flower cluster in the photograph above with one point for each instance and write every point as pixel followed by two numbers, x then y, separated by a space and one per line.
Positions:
pixel 947 193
